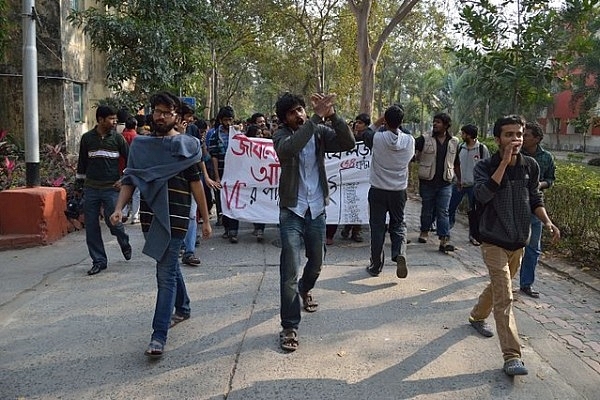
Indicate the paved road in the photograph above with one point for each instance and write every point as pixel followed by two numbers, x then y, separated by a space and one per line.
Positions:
pixel 69 336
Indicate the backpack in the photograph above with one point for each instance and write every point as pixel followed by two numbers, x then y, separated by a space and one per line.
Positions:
pixel 464 146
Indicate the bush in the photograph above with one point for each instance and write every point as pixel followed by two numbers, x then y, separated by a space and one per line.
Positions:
pixel 595 162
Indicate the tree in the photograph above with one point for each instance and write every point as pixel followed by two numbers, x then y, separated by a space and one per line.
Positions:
pixel 369 55
pixel 150 44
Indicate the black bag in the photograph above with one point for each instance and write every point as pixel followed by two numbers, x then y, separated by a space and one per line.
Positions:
pixel 474 218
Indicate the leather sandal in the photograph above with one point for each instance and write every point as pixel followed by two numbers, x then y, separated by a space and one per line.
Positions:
pixel 288 339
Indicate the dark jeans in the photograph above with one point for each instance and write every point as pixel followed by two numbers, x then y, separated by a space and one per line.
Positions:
pixel 455 200
pixel 299 236
pixel 435 200
pixel 95 200
pixel 382 202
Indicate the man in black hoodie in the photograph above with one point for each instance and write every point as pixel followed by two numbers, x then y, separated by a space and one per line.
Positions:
pixel 506 187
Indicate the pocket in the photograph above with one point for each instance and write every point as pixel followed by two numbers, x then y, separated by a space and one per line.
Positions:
pixel 425 170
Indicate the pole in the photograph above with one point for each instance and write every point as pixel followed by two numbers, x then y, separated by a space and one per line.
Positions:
pixel 30 96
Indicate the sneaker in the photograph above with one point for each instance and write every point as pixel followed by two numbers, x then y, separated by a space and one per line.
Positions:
pixel 357 237
pixel 373 270
pixel 529 291
pixel 191 260
pixel 345 233
pixel 126 250
pixel 259 235
pixel 401 270
pixel 445 245
pixel 225 235
pixel 514 367
pixel 233 239
pixel 423 236
pixel 482 327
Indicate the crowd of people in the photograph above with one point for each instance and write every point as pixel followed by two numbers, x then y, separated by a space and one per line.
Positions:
pixel 165 173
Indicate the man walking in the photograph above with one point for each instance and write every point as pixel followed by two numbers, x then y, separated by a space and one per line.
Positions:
pixel 301 144
pixel 531 147
pixel 470 152
pixel 392 152
pixel 164 166
pixel 507 187
pixel 98 175
pixel 436 155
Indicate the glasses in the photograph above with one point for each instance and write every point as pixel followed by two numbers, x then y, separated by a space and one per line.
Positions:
pixel 164 114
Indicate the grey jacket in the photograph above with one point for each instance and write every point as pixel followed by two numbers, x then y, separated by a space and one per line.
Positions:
pixel 505 219
pixel 289 144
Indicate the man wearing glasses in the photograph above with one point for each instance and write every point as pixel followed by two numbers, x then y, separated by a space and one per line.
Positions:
pixel 164 166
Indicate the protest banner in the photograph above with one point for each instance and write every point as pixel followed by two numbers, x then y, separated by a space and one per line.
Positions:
pixel 251 181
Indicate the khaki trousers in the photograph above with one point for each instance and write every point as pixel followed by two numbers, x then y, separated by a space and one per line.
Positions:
pixel 502 265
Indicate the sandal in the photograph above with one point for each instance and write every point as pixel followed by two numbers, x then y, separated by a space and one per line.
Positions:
pixel 288 339
pixel 308 303
pixel 155 349
pixel 176 318
pixel 474 241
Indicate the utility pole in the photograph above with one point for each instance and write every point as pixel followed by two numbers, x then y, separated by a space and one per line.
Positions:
pixel 30 96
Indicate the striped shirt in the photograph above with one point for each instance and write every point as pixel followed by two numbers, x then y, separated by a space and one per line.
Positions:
pixel 99 156
pixel 179 203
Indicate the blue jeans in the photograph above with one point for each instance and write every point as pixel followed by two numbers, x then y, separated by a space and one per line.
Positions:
pixel 94 200
pixel 190 237
pixel 457 196
pixel 435 201
pixel 295 230
pixel 382 202
pixel 533 250
pixel 171 291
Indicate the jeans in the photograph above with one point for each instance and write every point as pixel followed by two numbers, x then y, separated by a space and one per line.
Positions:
pixel 95 199
pixel 295 230
pixel 382 202
pixel 457 196
pixel 497 296
pixel 435 200
pixel 189 241
pixel 533 250
pixel 171 291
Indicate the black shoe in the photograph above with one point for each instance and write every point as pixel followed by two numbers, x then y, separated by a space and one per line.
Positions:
pixel 528 290
pixel 127 252
pixel 373 270
pixel 482 327
pixel 401 270
pixel 96 269
pixel 233 239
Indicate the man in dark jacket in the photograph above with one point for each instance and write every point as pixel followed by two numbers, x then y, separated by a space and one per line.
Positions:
pixel 506 185
pixel 301 144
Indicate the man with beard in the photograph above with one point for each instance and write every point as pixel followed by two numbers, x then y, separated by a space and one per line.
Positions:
pixel 301 144
pixel 98 175
pixel 506 186
pixel 436 154
pixel 164 166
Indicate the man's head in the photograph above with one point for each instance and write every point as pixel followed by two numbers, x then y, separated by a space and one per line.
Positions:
pixel 165 112
pixel 131 123
pixel 532 136
pixel 508 131
pixel 259 120
pixel 106 117
pixel 362 122
pixel 290 109
pixel 441 123
pixel 225 116
pixel 122 115
pixel 393 117
pixel 187 112
pixel 468 132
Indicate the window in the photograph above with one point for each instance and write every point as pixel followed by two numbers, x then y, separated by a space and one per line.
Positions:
pixel 75 4
pixel 77 102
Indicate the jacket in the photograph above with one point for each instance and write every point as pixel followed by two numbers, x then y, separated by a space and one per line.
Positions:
pixel 288 145
pixel 507 207
pixel 427 159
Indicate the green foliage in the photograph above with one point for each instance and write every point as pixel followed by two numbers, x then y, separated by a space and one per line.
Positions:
pixel 572 157
pixel 152 44
pixel 594 162
pixel 573 203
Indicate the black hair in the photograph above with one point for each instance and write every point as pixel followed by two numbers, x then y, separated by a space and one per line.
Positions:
pixel 286 102
pixel 536 129
pixel 256 116
pixel 201 124
pixel 470 130
pixel 141 119
pixel 507 120
pixel 225 112
pixel 445 118
pixel 104 111
pixel 363 118
pixel 122 115
pixel 131 123
pixel 252 131
pixel 186 109
pixel 393 117
pixel 165 99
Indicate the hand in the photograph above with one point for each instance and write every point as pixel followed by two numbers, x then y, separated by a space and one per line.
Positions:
pixel 212 184
pixel 554 231
pixel 206 229
pixel 117 185
pixel 115 218
pixel 323 104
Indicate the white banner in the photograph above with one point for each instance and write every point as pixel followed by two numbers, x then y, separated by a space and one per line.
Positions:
pixel 251 181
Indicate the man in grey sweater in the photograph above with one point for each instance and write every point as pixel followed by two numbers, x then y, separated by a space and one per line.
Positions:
pixel 392 151
pixel 506 186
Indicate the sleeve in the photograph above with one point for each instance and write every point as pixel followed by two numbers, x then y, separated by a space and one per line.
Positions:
pixel 419 143
pixel 82 160
pixel 192 173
